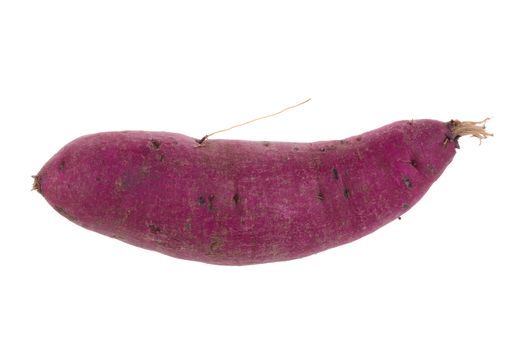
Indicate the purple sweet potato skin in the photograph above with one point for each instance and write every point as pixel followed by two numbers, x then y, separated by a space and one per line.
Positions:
pixel 244 202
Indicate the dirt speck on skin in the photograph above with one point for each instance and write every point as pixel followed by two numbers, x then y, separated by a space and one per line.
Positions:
pixel 346 193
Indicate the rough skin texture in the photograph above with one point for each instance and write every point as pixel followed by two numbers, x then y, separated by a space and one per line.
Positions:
pixel 244 202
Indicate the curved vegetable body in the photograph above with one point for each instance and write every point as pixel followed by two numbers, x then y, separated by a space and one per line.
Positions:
pixel 244 202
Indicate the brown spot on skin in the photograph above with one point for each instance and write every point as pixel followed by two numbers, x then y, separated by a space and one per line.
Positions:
pixel 236 198
pixel 346 193
pixel 201 200
pixel 296 148
pixel 125 216
pixel 335 174
pixel 155 143
pixel 61 165
pixel 407 182
pixel 320 196
pixel 154 229
pixel 405 206
pixel 358 138
pixel 119 184
pixel 216 244
pixel 413 163
pixel 266 144
pixel 144 171
pixel 431 168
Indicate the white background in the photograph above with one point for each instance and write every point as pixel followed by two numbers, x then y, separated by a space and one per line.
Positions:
pixel 449 275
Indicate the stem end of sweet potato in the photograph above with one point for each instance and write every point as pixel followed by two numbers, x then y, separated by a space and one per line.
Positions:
pixel 36 184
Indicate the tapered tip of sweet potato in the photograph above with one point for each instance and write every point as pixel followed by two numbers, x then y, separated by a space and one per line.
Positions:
pixel 36 184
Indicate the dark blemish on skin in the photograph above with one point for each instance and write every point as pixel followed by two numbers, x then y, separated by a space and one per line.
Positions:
pixel 320 196
pixel 296 148
pixel 266 144
pixel 201 200
pixel 210 202
pixel 322 149
pixel 160 157
pixel 335 174
pixel 407 182
pixel 61 165
pixel 358 138
pixel 155 143
pixel 431 168
pixel 399 217
pixel 405 206
pixel 154 229
pixel 346 193
pixel 413 163
pixel 65 214
pixel 97 179
pixel 236 198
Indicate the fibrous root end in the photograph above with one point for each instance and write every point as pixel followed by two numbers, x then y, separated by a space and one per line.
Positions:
pixel 474 129
pixel 36 184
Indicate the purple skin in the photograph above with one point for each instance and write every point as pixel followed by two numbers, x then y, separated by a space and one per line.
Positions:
pixel 244 202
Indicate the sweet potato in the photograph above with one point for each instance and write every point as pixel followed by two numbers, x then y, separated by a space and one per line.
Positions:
pixel 246 202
